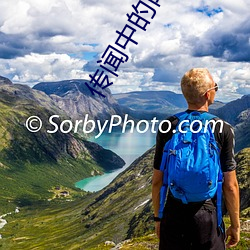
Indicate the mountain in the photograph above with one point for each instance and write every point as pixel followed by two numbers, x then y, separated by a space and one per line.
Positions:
pixel 32 163
pixel 237 114
pixel 149 104
pixel 38 166
pixel 232 110
pixel 216 105
pixel 74 97
pixel 242 130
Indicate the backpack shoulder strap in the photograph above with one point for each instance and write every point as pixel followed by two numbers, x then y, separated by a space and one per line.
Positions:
pixel 182 115
pixel 208 116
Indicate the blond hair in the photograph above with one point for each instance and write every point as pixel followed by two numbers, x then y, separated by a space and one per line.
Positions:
pixel 195 83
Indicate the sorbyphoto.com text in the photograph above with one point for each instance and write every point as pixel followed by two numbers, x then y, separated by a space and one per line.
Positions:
pixel 88 126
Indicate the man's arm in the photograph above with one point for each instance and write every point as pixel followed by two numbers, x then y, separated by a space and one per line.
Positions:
pixel 231 195
pixel 156 187
pixel 157 178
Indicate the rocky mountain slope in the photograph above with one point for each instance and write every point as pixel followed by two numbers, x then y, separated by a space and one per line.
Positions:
pixel 31 163
pixel 4 80
pixel 242 130
pixel 75 99
pixel 232 110
pixel 237 114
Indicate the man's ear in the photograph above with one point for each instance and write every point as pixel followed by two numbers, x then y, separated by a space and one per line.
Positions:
pixel 207 95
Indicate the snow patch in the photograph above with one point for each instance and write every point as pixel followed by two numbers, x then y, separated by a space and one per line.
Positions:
pixel 142 204
pixel 2 223
pixel 143 186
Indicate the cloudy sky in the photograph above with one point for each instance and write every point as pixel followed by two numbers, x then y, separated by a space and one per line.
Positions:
pixel 53 40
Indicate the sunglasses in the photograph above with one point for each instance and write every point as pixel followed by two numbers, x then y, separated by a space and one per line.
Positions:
pixel 216 87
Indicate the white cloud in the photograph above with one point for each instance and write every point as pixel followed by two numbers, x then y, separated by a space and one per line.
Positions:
pixel 46 40
pixel 35 68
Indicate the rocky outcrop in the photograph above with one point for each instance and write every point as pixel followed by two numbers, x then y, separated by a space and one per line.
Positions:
pixel 232 110
pixel 237 113
pixel 73 97
pixel 4 80
pixel 106 158
pixel 242 130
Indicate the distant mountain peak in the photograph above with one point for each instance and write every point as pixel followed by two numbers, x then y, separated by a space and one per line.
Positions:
pixel 61 88
pixel 74 98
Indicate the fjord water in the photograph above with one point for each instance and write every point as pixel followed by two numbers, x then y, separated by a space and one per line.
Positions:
pixel 129 146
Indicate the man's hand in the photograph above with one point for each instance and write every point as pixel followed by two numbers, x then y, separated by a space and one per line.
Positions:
pixel 232 236
pixel 157 228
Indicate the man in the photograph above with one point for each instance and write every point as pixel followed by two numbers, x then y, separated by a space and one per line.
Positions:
pixel 194 225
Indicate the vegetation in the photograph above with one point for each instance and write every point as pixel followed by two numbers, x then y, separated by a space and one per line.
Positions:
pixel 57 225
pixel 243 175
pixel 118 213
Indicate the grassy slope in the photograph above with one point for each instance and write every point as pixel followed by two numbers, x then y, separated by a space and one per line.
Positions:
pixel 150 242
pixel 243 175
pixel 60 225
pixel 28 168
pixel 55 225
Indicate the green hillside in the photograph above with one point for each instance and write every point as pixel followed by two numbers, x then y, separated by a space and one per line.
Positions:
pixel 87 221
pixel 123 210
pixel 31 164
pixel 243 175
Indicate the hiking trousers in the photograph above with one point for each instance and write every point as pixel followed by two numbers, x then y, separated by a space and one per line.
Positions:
pixel 190 227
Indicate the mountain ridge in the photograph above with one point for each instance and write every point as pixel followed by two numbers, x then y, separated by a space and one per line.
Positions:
pixel 74 98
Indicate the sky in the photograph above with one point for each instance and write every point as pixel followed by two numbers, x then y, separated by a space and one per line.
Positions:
pixel 53 40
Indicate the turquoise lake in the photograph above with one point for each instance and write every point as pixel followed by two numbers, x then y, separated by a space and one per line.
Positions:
pixel 129 146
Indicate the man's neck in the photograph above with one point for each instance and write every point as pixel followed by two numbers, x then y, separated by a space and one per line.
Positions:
pixel 198 107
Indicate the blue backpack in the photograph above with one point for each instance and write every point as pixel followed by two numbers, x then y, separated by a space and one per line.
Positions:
pixel 191 162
